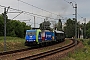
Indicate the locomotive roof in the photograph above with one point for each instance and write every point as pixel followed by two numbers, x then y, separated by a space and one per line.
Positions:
pixel 46 31
pixel 59 31
pixel 30 30
pixel 33 30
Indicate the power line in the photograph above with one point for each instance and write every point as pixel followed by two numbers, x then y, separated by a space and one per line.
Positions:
pixel 67 1
pixel 36 16
pixel 75 2
pixel 17 15
pixel 80 16
pixel 26 12
pixel 38 8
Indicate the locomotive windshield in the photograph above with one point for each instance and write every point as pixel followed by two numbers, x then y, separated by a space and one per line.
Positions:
pixel 31 33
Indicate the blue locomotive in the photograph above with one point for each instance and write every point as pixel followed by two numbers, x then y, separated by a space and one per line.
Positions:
pixel 33 37
pixel 37 37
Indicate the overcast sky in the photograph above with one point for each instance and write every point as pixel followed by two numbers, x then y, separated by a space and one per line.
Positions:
pixel 59 7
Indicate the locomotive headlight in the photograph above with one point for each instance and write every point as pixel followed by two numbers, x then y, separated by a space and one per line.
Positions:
pixel 34 40
pixel 30 36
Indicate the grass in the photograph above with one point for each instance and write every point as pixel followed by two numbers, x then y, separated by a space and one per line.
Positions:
pixel 80 54
pixel 12 43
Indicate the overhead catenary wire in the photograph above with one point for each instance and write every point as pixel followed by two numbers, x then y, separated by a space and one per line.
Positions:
pixel 17 15
pixel 25 12
pixel 39 8
pixel 77 13
pixel 80 16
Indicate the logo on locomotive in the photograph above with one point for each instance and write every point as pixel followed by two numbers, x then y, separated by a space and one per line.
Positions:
pixel 48 36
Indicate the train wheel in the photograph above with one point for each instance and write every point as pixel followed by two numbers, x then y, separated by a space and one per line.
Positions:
pixel 42 44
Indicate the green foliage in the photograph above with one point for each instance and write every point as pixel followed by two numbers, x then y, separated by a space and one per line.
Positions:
pixel 88 42
pixel 1 25
pixel 80 54
pixel 81 40
pixel 88 33
pixel 17 28
pixel 14 28
pixel 45 25
pixel 12 43
pixel 70 28
pixel 88 29
pixel 88 25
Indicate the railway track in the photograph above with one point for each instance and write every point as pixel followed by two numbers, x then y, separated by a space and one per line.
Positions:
pixel 16 51
pixel 48 53
pixel 26 54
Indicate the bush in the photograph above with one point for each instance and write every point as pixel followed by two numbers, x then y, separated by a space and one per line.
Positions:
pixel 82 40
pixel 88 42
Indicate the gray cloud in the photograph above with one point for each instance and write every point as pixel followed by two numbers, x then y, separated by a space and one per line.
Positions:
pixel 56 6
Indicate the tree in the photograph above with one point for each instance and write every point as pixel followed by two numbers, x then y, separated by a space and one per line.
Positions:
pixel 88 29
pixel 45 25
pixel 16 28
pixel 88 33
pixel 70 28
pixel 1 25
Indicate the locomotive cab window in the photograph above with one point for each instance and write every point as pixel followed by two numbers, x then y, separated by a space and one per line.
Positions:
pixel 31 33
